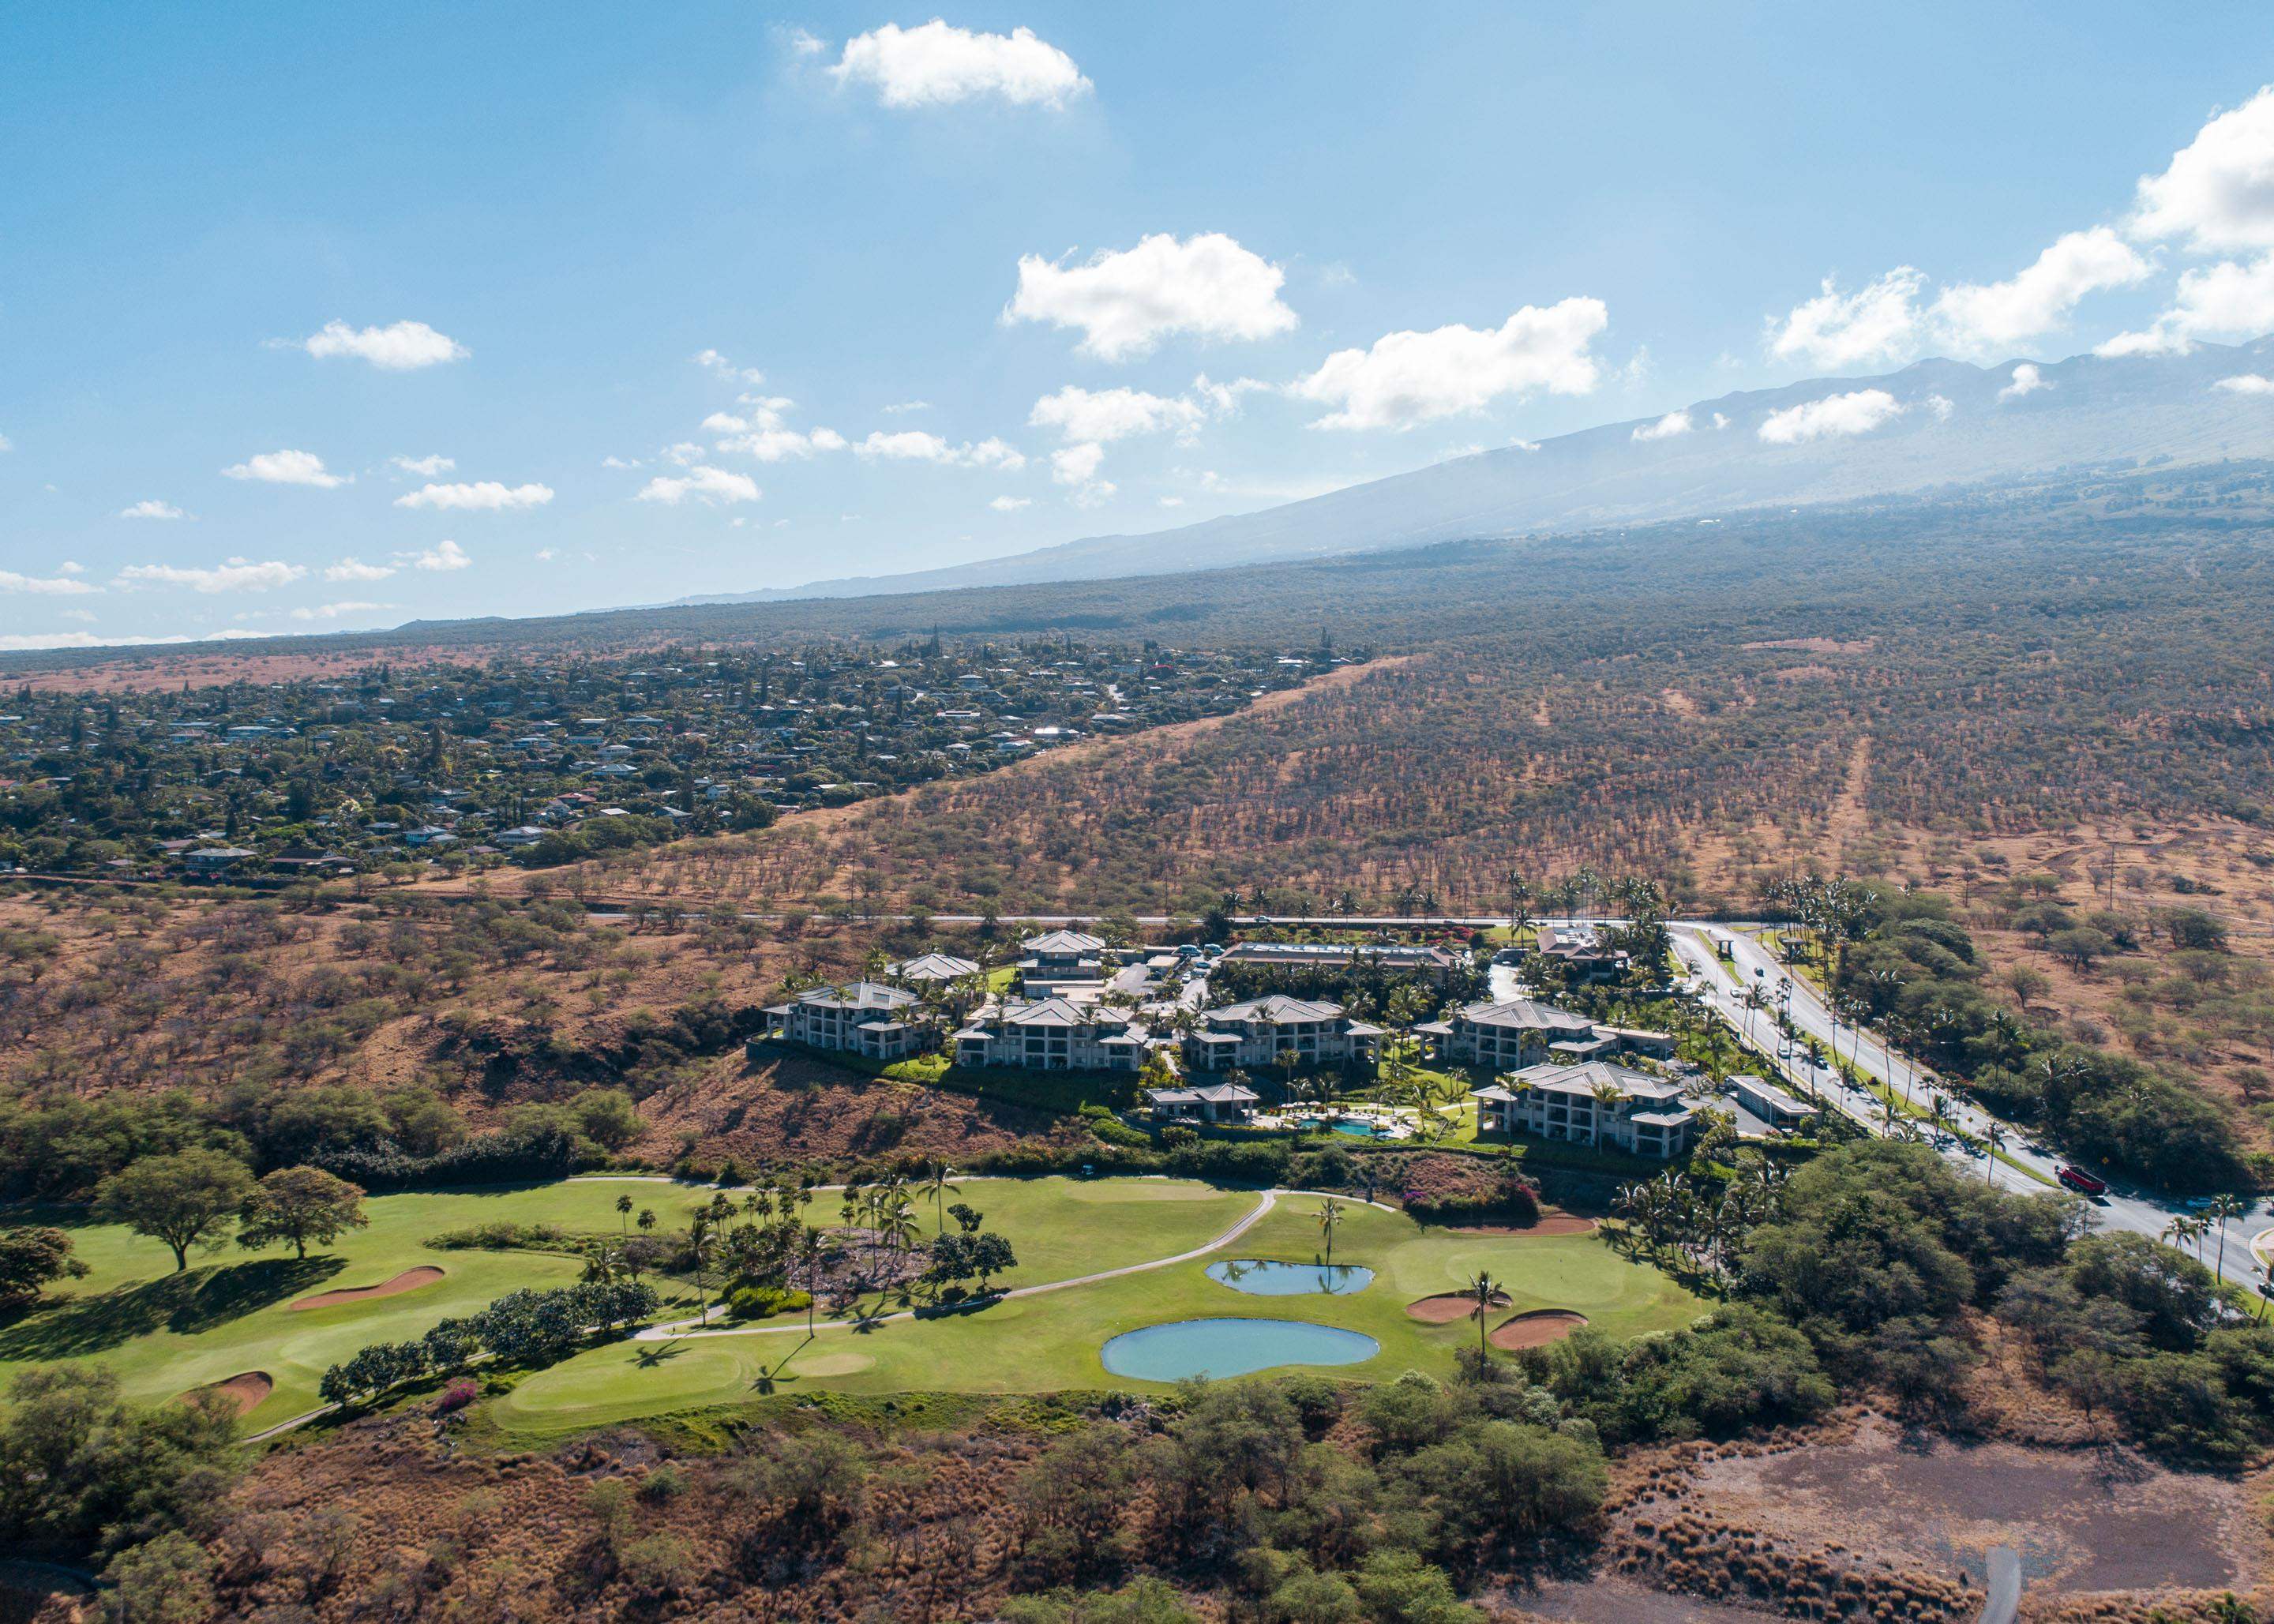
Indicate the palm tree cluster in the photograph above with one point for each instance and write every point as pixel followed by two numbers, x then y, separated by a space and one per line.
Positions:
pixel 1696 1221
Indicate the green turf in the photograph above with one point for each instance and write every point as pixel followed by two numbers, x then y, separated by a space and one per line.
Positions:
pixel 165 1333
pixel 1051 1341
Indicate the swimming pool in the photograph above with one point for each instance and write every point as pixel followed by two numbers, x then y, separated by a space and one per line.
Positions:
pixel 1220 1348
pixel 1260 1279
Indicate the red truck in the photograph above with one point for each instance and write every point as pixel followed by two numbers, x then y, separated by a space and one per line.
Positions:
pixel 2076 1178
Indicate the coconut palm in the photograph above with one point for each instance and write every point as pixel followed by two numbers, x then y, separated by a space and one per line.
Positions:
pixel 1330 1217
pixel 1483 1288
pixel 2224 1205
pixel 936 1186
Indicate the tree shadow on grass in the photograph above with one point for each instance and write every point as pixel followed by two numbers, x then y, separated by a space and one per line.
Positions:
pixel 185 1304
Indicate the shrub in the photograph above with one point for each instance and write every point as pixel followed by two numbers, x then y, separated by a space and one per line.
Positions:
pixel 756 1302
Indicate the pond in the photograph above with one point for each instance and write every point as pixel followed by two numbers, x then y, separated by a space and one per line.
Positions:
pixel 1220 1348
pixel 1259 1279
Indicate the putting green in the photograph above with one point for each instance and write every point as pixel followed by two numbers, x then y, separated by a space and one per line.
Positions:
pixel 1051 1341
pixel 231 1313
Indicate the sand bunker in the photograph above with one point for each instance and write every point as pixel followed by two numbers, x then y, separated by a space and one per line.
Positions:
pixel 1448 1306
pixel 245 1391
pixel 409 1280
pixel 1535 1329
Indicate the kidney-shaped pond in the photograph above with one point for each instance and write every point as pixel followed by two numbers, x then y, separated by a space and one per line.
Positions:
pixel 1231 1347
pixel 1259 1279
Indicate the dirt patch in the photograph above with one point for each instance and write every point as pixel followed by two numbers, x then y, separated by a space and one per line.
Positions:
pixel 409 1280
pixel 1447 1306
pixel 2084 1521
pixel 247 1390
pixel 1536 1329
pixel 1550 1223
pixel 1816 645
pixel 1608 1599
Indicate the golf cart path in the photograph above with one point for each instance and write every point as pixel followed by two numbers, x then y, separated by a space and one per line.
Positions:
pixel 1269 1199
pixel 673 1332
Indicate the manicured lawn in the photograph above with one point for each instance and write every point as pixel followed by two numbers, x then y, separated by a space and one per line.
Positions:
pixel 165 1333
pixel 1052 1342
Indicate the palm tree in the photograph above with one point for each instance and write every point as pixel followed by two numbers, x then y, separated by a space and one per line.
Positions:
pixel 1994 1136
pixel 702 1249
pixel 936 1186
pixel 2224 1205
pixel 1483 1288
pixel 1330 1217
pixel 808 1260
pixel 624 1213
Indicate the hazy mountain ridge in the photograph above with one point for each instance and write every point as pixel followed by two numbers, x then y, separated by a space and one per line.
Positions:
pixel 2087 411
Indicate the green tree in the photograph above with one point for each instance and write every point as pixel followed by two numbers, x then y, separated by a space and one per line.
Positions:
pixel 294 1205
pixel 166 1581
pixel 31 1259
pixel 183 1200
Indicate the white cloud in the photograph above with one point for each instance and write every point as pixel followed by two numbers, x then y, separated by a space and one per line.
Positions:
pixel 1077 413
pixel 1223 398
pixel 401 347
pixel 6 445
pixel 355 570
pixel 2027 380
pixel 333 612
pixel 60 585
pixel 546 555
pixel 710 485
pixel 1076 464
pixel 287 468
pixel 1173 501
pixel 916 446
pixel 1879 322
pixel 614 460
pixel 2247 383
pixel 1941 405
pixel 1669 426
pixel 487 495
pixel 2230 300
pixel 935 65
pixel 1207 286
pixel 425 467
pixel 235 574
pixel 2218 191
pixel 711 360
pixel 899 407
pixel 1995 316
pixel 1721 421
pixel 1407 379
pixel 1011 504
pixel 67 568
pixel 1835 416
pixel 780 445
pixel 151 508
pixel 447 556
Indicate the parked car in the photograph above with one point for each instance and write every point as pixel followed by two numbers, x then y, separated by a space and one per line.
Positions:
pixel 2076 1178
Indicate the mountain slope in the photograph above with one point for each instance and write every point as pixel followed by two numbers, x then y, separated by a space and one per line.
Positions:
pixel 1953 425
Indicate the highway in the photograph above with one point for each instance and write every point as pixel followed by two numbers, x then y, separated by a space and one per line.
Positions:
pixel 1722 982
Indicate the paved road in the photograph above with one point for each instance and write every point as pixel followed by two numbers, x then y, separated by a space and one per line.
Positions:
pixel 1751 964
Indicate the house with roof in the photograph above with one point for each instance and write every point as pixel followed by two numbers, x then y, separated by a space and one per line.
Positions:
pixel 1053 1034
pixel 1058 958
pixel 1259 1030
pixel 867 1019
pixel 1592 1103
pixel 1504 1035
pixel 932 967
pixel 1582 950
pixel 1430 960
pixel 1202 1102
pixel 1769 1103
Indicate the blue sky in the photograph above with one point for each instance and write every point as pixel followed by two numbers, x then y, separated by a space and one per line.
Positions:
pixel 522 225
